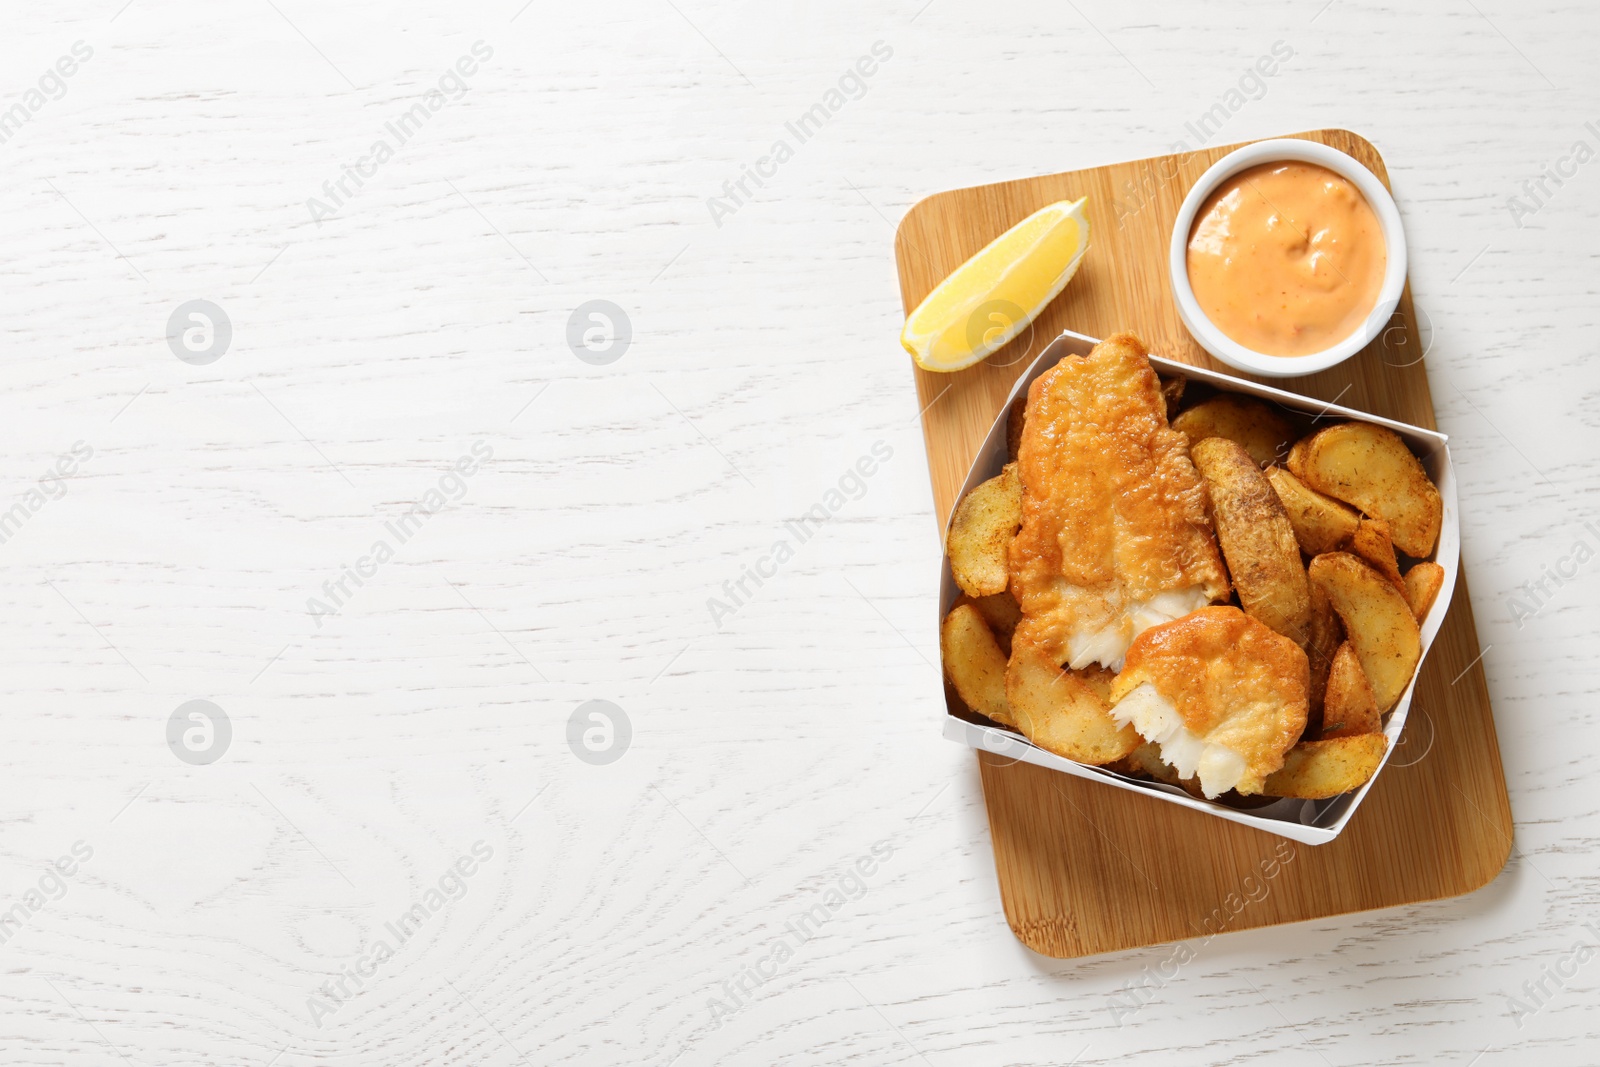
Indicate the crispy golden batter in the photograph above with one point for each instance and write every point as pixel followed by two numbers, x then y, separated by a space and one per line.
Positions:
pixel 1223 695
pixel 1114 535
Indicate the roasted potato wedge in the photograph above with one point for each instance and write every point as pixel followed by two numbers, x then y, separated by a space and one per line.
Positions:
pixel 1371 468
pixel 1260 429
pixel 974 663
pixel 1321 524
pixel 1172 393
pixel 1147 760
pixel 1001 612
pixel 1371 542
pixel 1327 634
pixel 981 531
pixel 1257 539
pixel 1377 620
pixel 1061 711
pixel 1126 766
pixel 1016 418
pixel 1349 707
pixel 1317 770
pixel 1423 582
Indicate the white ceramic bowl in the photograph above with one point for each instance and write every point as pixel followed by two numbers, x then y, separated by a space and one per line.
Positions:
pixel 1226 348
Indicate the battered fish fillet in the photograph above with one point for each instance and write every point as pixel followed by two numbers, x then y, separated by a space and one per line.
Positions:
pixel 1223 695
pixel 1115 537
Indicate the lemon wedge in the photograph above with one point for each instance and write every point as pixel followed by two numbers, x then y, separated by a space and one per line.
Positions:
pixel 994 296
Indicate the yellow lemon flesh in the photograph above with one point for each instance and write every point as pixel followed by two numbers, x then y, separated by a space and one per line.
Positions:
pixel 993 296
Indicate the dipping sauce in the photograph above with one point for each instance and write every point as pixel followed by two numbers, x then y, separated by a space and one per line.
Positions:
pixel 1287 258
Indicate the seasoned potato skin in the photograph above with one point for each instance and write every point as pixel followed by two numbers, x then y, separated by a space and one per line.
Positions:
pixel 1001 612
pixel 1260 429
pixel 974 663
pixel 1146 759
pixel 1258 541
pixel 1370 467
pixel 1064 711
pixel 1321 523
pixel 1317 770
pixel 1016 419
pixel 1378 623
pixel 1372 543
pixel 1172 392
pixel 1423 582
pixel 1327 634
pixel 1349 707
pixel 981 530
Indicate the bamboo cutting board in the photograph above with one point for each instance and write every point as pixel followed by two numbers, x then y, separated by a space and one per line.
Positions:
pixel 1084 868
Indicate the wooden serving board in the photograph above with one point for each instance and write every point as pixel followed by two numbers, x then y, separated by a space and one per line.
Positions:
pixel 1084 868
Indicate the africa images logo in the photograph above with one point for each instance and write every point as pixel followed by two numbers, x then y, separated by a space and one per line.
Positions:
pixel 449 888
pixel 451 86
pixel 450 488
pixel 851 85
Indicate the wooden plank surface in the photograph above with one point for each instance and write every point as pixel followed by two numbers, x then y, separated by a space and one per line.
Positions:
pixel 384 342
pixel 1086 869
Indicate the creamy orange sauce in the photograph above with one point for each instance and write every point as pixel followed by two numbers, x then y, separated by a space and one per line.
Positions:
pixel 1287 258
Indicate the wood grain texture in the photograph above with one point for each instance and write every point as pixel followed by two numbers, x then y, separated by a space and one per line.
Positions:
pixel 1086 869
pixel 768 753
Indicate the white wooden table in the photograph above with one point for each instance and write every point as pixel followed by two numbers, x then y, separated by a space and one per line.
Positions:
pixel 231 912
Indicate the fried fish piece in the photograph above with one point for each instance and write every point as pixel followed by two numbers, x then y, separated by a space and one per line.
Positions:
pixel 1115 537
pixel 1223 696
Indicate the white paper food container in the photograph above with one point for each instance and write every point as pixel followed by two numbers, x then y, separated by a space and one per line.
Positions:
pixel 1313 822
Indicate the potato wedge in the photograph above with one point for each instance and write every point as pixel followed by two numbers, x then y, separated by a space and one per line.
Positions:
pixel 1371 468
pixel 1349 707
pixel 1377 620
pixel 1016 418
pixel 1423 582
pixel 1147 760
pixel 1260 429
pixel 1327 634
pixel 1001 612
pixel 1321 524
pixel 1061 711
pixel 981 531
pixel 1172 393
pixel 1371 542
pixel 1257 539
pixel 974 663
pixel 1126 766
pixel 1317 770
